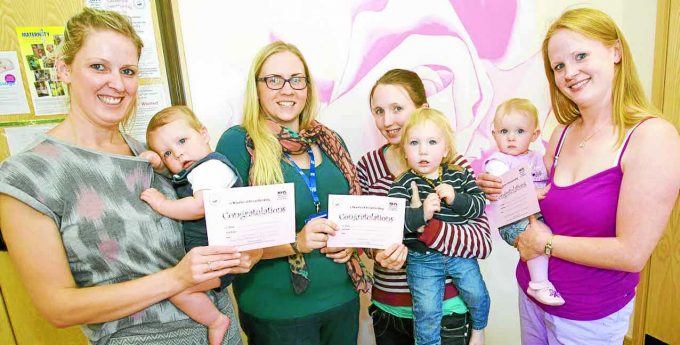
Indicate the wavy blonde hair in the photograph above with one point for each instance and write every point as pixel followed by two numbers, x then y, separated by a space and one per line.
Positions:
pixel 267 167
pixel 629 104
pixel 422 115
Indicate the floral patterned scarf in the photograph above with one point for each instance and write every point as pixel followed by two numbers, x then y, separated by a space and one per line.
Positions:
pixel 296 143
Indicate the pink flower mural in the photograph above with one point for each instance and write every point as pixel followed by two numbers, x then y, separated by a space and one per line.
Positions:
pixel 471 55
pixel 461 50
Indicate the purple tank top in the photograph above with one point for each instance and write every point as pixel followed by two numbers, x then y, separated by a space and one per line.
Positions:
pixel 584 209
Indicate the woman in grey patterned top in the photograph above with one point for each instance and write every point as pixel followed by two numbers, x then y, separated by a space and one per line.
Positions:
pixel 88 250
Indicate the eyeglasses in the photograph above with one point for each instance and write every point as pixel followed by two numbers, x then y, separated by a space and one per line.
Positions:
pixel 275 82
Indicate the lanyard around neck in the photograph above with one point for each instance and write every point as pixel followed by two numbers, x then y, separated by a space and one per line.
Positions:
pixel 311 180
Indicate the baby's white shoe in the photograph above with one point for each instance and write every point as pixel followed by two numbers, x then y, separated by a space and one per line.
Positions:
pixel 545 293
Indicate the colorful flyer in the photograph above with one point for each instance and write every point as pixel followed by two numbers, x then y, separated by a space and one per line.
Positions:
pixel 38 52
pixel 12 95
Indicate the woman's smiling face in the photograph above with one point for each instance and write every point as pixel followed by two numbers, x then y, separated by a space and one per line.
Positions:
pixel 584 68
pixel 391 106
pixel 285 105
pixel 103 78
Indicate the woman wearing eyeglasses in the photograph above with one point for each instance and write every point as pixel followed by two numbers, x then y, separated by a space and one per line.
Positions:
pixel 300 293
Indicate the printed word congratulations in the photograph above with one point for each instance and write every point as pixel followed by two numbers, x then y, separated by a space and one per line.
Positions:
pixel 512 190
pixel 256 212
pixel 366 217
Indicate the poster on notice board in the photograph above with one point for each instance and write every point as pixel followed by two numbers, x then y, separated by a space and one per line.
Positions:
pixel 12 95
pixel 38 49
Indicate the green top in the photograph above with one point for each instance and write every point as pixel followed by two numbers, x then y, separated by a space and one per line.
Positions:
pixel 449 306
pixel 266 291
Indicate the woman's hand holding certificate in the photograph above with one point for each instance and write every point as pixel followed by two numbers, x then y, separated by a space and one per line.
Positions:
pixel 339 255
pixel 314 235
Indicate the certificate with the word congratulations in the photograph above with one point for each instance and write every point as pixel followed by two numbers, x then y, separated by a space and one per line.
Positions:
pixel 367 221
pixel 517 199
pixel 250 217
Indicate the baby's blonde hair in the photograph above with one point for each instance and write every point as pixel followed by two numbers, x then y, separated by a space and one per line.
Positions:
pixel 422 115
pixel 170 114
pixel 518 105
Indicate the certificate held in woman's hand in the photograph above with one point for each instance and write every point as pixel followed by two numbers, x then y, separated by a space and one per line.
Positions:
pixel 518 198
pixel 250 217
pixel 366 221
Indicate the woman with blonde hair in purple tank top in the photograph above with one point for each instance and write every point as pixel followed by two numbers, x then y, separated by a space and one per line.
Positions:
pixel 612 189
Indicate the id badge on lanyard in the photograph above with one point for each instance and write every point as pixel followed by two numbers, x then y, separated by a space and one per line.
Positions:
pixel 323 214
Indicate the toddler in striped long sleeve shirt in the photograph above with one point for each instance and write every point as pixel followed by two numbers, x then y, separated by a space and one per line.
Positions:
pixel 450 194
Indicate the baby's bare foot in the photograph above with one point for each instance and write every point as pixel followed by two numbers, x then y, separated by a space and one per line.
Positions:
pixel 218 329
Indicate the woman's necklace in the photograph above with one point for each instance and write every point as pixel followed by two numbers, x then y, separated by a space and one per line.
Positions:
pixel 585 140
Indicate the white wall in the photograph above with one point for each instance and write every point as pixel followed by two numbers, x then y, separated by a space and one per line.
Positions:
pixel 349 44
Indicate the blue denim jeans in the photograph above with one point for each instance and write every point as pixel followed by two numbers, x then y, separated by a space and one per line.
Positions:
pixel 426 274
pixel 510 232
pixel 393 330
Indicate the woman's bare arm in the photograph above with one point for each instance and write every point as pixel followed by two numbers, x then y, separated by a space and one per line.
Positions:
pixel 649 190
pixel 36 249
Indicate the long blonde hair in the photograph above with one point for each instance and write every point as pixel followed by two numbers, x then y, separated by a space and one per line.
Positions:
pixel 629 104
pixel 80 26
pixel 268 152
pixel 422 115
